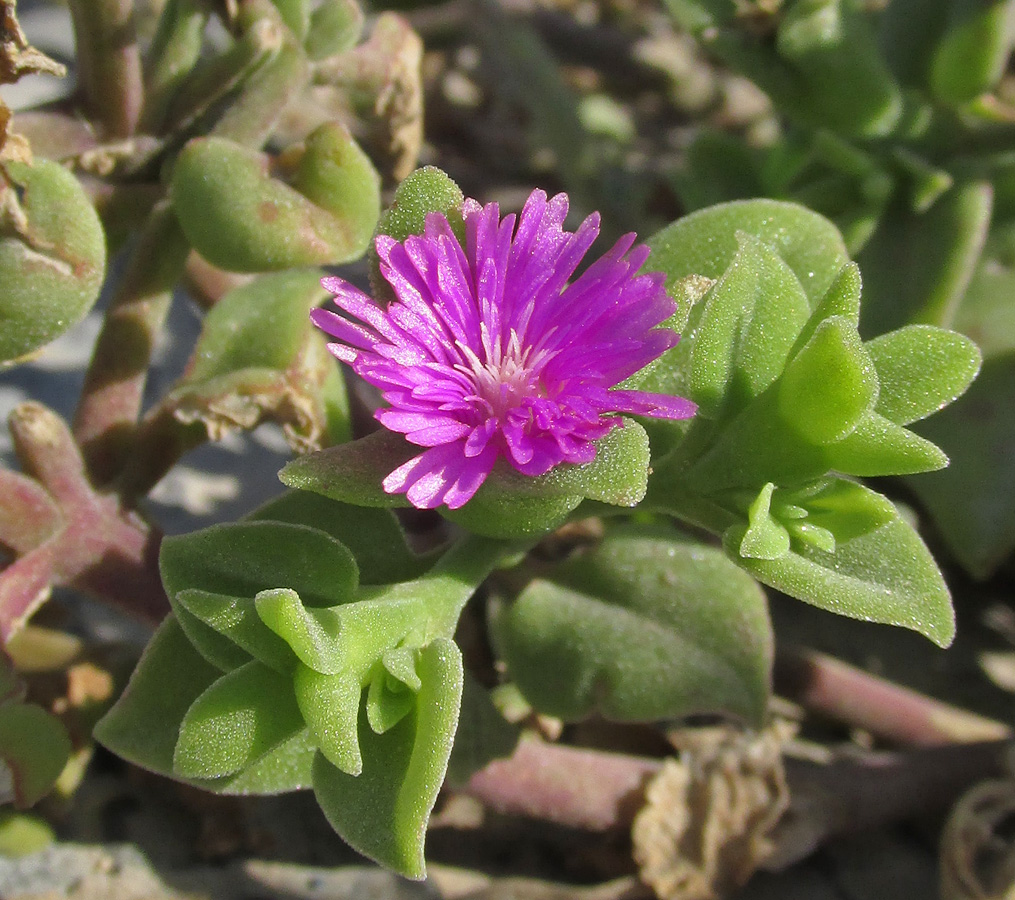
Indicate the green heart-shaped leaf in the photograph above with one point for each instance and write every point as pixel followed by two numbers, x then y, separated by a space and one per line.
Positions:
pixel 353 472
pixel 240 218
pixel 285 768
pixel 973 500
pixel 311 633
pixel 765 537
pixel 374 536
pixel 143 726
pixel 483 734
pixel 512 505
pixel 52 255
pixel 508 505
pixel 877 446
pixel 750 321
pixel 704 242
pixel 34 748
pixel 243 558
pixel 331 704
pixel 236 618
pixel 829 385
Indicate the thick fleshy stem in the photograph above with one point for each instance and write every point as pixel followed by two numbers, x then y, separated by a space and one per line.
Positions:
pixel 28 515
pixel 157 445
pixel 114 384
pixel 88 539
pixel 109 63
pixel 453 579
pixel 888 711
pixel 573 786
pixel 598 791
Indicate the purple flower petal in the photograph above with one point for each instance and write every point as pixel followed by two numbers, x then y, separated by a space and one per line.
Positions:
pixel 644 403
pixel 491 351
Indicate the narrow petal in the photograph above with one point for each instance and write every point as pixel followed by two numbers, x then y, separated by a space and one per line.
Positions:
pixel 477 442
pixel 398 420
pixel 658 406
pixel 340 327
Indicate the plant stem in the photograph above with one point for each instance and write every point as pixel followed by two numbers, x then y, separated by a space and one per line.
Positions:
pixel 598 791
pixel 28 515
pixel 832 688
pixel 851 795
pixel 207 284
pixel 588 789
pixel 159 442
pixel 452 581
pixel 114 384
pixel 109 63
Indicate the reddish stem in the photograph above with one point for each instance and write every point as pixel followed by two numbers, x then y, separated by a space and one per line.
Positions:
pixel 588 789
pixel 109 63
pixel 114 384
pixel 25 585
pixel 207 284
pixel 835 689
pixel 598 791
pixel 28 514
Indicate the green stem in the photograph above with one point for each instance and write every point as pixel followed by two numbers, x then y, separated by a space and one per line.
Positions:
pixel 114 384
pixel 109 63
pixel 671 496
pixel 453 580
pixel 157 445
pixel 252 117
pixel 175 51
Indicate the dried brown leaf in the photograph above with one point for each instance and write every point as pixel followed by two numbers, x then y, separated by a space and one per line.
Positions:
pixel 704 827
pixel 17 56
pixel 383 76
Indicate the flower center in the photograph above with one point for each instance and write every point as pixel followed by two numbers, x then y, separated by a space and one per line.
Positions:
pixel 507 375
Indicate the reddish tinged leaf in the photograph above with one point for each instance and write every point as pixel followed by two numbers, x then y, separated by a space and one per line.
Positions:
pixel 25 586
pixel 28 514
pixel 101 548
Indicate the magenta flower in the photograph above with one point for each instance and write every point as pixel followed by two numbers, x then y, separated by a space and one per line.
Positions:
pixel 489 352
